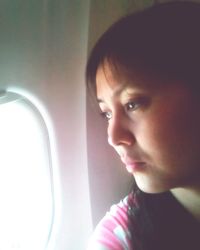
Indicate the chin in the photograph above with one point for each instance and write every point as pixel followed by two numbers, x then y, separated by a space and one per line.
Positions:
pixel 152 188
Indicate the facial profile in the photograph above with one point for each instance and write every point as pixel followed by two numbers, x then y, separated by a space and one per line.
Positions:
pixel 153 127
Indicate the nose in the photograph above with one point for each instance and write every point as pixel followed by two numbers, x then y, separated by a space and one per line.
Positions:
pixel 120 132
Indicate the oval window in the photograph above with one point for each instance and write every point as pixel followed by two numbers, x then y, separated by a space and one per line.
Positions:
pixel 26 188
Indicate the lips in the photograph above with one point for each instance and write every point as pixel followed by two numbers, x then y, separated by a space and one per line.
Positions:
pixel 133 165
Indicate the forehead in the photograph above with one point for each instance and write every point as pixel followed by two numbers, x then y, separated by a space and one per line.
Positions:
pixel 107 83
pixel 111 77
pixel 105 77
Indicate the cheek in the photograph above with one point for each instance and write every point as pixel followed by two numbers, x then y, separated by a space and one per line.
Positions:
pixel 170 135
pixel 152 136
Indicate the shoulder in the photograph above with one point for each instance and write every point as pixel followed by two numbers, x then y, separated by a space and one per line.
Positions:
pixel 112 232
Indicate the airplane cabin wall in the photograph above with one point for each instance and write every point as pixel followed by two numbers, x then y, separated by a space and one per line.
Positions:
pixel 43 48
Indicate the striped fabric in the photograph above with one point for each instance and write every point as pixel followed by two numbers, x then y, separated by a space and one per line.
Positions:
pixel 112 231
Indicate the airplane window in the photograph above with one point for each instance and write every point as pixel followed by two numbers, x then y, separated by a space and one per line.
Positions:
pixel 26 193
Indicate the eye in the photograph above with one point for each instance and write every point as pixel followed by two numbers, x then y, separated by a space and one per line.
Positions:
pixel 106 115
pixel 133 105
pixel 137 103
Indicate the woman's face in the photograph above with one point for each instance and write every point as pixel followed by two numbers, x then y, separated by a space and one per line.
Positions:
pixel 154 128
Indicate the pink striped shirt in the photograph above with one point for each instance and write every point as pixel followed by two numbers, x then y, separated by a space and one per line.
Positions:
pixel 112 232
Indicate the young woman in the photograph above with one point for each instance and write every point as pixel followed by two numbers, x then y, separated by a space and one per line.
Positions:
pixel 145 73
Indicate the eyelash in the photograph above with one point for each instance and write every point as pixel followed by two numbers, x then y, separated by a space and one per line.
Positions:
pixel 130 106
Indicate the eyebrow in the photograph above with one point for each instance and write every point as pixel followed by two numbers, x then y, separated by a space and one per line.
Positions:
pixel 120 90
pixel 117 91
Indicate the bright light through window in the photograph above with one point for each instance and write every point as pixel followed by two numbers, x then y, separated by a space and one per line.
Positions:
pixel 26 197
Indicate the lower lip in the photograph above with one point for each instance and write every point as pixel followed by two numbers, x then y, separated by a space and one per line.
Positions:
pixel 135 167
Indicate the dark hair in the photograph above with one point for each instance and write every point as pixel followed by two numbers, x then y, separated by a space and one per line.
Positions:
pixel 163 40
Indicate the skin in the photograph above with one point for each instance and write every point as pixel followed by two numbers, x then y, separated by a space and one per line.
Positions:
pixel 154 128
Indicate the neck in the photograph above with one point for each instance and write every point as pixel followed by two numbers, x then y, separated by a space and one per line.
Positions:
pixel 189 198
